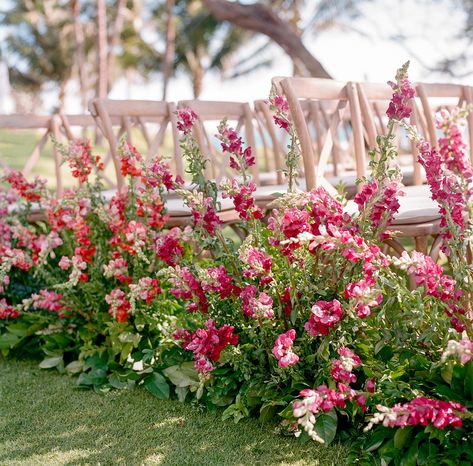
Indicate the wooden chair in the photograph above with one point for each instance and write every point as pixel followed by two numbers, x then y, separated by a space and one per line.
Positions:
pixel 210 114
pixel 43 128
pixel 117 118
pixel 273 141
pixel 334 96
pixel 418 216
pixel 434 97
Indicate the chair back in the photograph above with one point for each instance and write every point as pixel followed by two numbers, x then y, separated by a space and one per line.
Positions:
pixel 434 97
pixel 334 108
pixel 374 99
pixel 136 119
pixel 36 130
pixel 210 113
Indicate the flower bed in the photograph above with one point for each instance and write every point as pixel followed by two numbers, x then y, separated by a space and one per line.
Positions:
pixel 306 321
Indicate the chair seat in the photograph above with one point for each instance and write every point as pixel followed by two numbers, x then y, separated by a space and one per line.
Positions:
pixel 177 208
pixel 413 209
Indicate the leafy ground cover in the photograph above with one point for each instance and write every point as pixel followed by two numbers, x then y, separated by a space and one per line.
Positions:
pixel 44 420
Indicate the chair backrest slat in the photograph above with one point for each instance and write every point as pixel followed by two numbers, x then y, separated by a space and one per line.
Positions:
pixel 118 117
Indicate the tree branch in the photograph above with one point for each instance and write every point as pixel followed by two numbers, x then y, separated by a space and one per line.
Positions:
pixel 258 18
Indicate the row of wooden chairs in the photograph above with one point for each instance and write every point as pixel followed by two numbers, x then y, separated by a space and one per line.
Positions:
pixel 336 123
pixel 419 216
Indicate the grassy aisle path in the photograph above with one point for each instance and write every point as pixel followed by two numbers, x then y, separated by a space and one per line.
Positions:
pixel 44 420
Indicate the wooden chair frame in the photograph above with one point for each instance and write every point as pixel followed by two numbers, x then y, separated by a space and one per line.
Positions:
pixel 107 113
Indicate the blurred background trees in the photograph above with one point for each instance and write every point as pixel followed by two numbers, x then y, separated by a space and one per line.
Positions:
pixel 89 45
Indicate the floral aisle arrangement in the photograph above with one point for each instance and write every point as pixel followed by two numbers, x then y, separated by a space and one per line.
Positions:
pixel 306 320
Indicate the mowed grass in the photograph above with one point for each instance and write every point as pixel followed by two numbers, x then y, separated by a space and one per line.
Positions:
pixel 45 420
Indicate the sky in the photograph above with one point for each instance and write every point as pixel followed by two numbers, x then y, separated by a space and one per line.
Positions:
pixel 364 51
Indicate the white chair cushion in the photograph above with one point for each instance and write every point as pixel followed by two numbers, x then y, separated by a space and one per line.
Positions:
pixel 412 210
pixel 177 208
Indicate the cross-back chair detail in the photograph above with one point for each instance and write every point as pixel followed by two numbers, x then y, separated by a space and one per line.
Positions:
pixel 117 118
pixel 272 144
pixel 374 100
pixel 434 97
pixel 47 126
pixel 338 103
pixel 213 112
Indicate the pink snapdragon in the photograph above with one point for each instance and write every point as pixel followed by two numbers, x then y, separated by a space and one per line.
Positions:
pixel 48 300
pixel 420 411
pixel 186 119
pixel 146 289
pixel 207 344
pixel 313 402
pixel 117 268
pixel 381 202
pixel 324 316
pixel 7 311
pixel 342 368
pixel 187 287
pixel 282 349
pixel 217 280
pixel 404 92
pixel 119 305
pixel 428 274
pixel 280 106
pixel 240 158
pixel 258 262
pixel 256 307
pixel 463 350
pixel 158 174
pixel 243 200
pixel 203 212
pixel 365 295
pixel 449 174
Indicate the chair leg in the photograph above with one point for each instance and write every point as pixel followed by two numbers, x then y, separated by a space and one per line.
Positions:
pixel 435 249
pixel 421 244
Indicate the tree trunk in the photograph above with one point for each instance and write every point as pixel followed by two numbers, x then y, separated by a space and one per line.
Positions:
pixel 197 71
pixel 258 18
pixel 80 54
pixel 102 85
pixel 117 30
pixel 170 46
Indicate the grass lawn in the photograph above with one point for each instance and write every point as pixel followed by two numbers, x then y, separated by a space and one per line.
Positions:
pixel 45 420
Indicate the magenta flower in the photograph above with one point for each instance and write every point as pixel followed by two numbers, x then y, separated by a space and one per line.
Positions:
pixel 324 316
pixel 186 120
pixel 207 344
pixel 342 368
pixel 282 349
pixel 420 411
pixel 256 307
pixel 403 93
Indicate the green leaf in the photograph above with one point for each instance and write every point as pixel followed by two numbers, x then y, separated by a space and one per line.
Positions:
pixel 74 367
pixel 326 426
pixel 183 375
pixel 181 393
pixel 156 384
pixel 116 382
pixel 447 372
pixel 49 363
pixel 401 437
pixel 8 340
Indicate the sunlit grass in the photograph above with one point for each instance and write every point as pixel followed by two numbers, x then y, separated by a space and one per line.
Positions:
pixel 45 420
